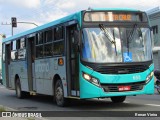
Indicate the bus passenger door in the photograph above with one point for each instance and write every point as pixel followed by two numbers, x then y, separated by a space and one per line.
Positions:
pixel 7 65
pixel 72 62
pixel 31 63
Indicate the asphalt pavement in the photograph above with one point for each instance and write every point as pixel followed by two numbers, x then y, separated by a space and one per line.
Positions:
pixel 148 103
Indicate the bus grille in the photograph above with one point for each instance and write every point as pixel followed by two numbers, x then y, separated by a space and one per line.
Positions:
pixel 114 87
pixel 121 69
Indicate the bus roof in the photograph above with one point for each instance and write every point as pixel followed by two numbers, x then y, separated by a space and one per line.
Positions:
pixel 115 9
pixel 75 16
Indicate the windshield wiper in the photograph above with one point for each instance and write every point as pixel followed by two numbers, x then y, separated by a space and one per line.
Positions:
pixel 131 36
pixel 132 32
pixel 114 42
pixel 108 35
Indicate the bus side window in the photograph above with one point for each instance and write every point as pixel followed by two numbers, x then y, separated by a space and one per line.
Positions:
pixel 48 49
pixel 22 43
pixel 48 42
pixel 39 45
pixel 48 36
pixel 18 44
pixel 58 33
pixel 58 48
pixel 39 39
pixel 14 45
pixel 14 54
pixel 58 43
pixel 39 51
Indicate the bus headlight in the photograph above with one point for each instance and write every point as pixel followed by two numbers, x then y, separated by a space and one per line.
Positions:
pixel 149 77
pixel 91 79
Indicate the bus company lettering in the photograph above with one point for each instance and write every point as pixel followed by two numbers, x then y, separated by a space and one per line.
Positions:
pixel 42 67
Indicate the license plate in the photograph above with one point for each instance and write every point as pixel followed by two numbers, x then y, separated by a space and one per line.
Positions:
pixel 124 88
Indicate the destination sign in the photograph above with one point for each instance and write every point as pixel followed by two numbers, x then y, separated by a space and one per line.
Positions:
pixel 114 16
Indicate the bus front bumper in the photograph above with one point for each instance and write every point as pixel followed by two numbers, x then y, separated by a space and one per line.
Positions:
pixel 90 90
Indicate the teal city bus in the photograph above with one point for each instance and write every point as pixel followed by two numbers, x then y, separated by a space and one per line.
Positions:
pixel 95 53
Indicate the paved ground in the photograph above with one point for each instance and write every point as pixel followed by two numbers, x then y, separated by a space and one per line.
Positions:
pixel 148 103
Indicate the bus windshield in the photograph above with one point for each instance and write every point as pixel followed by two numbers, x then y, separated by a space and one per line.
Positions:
pixel 131 44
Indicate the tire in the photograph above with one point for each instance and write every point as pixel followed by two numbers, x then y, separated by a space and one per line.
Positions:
pixel 1 82
pixel 59 94
pixel 19 93
pixel 158 89
pixel 118 99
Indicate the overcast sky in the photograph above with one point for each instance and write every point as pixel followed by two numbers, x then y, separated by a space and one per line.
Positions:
pixel 43 11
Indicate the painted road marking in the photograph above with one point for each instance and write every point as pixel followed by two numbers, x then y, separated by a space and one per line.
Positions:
pixel 153 105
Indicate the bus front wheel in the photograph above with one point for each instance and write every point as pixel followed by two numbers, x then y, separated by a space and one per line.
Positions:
pixel 59 94
pixel 118 99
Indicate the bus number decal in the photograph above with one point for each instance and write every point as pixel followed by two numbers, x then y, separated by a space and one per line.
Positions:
pixel 42 67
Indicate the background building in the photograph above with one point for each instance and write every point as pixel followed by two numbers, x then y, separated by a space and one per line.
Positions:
pixel 154 17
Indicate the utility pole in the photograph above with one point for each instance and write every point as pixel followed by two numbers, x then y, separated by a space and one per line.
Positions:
pixel 14 23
